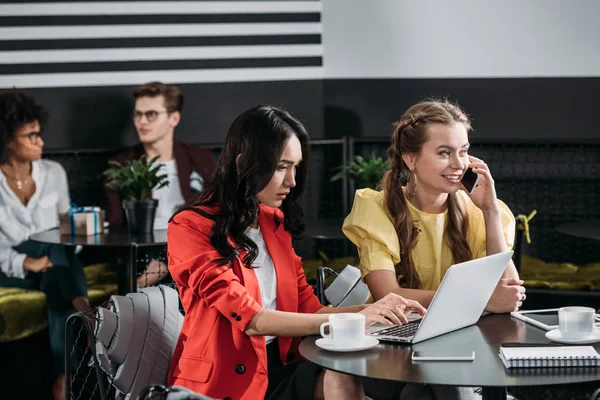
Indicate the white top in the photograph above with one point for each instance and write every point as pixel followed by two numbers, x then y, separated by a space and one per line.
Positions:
pixel 169 197
pixel 18 222
pixel 265 273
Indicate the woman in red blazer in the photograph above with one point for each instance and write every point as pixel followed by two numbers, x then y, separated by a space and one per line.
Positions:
pixel 241 284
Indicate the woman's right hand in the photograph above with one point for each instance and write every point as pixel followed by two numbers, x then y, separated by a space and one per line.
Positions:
pixel 37 264
pixel 391 310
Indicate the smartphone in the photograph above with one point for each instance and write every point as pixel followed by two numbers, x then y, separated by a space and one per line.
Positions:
pixel 442 356
pixel 470 180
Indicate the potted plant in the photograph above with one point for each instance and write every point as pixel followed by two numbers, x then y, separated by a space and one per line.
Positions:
pixel 135 180
pixel 367 173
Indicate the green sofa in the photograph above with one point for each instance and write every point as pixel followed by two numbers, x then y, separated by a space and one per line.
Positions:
pixel 23 311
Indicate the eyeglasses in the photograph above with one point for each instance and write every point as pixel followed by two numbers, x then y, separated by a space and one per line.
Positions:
pixel 150 115
pixel 32 136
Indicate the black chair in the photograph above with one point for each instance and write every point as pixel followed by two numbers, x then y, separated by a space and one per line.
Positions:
pixel 346 289
pixel 102 357
pixel 84 378
pixel 320 284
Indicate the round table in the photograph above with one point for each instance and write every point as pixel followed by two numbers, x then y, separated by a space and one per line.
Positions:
pixel 582 229
pixel 393 362
pixel 110 238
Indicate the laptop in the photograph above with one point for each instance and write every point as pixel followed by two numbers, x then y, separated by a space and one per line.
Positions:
pixel 458 302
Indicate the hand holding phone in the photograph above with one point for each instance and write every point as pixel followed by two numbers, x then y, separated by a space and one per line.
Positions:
pixel 470 180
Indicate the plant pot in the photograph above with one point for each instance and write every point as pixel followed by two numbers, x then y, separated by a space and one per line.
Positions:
pixel 140 215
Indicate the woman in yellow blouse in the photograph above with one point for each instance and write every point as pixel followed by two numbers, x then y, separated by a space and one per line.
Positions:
pixel 423 221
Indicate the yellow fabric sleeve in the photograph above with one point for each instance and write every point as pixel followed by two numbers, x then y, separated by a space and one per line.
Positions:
pixel 371 230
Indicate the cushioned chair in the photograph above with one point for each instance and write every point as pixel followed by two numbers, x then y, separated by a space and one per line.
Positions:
pixel 23 311
pixel 132 339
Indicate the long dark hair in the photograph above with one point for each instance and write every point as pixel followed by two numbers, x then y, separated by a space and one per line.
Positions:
pixel 410 134
pixel 258 136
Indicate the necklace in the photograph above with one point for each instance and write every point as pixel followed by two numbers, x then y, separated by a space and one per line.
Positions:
pixel 20 182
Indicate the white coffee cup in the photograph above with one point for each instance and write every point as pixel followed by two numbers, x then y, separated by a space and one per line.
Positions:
pixel 576 323
pixel 345 329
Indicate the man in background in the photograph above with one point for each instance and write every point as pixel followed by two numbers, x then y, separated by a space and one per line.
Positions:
pixel 156 114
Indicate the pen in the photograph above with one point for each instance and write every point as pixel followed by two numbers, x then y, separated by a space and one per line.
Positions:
pixel 518 344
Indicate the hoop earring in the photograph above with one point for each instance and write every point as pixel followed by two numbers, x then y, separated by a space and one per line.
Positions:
pixel 414 192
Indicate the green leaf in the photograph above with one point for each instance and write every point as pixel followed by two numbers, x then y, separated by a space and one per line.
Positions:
pixel 367 173
pixel 135 179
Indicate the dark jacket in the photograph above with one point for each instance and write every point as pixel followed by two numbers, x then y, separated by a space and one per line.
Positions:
pixel 189 159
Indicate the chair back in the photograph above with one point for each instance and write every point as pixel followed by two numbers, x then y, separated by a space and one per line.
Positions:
pixel 347 289
pixel 136 337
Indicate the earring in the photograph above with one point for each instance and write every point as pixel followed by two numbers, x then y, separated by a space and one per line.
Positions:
pixel 413 175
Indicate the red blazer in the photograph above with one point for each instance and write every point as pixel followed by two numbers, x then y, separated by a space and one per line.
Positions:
pixel 188 158
pixel 214 356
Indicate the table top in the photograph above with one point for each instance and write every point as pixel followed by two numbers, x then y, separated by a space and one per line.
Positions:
pixel 583 229
pixel 393 362
pixel 110 238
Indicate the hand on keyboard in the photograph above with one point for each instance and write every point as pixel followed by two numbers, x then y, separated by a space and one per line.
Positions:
pixel 391 310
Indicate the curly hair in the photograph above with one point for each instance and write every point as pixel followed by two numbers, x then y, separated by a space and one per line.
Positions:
pixel 16 110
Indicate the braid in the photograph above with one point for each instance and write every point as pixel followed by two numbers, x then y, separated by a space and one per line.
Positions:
pixel 395 201
pixel 409 136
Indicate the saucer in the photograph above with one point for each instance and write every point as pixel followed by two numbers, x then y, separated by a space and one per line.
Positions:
pixel 555 336
pixel 366 343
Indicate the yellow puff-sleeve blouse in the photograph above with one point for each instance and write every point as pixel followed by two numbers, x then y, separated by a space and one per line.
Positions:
pixel 370 228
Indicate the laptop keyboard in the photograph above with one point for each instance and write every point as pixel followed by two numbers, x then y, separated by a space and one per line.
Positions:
pixel 404 331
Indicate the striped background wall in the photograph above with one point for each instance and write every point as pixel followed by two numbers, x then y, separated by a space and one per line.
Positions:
pixel 81 60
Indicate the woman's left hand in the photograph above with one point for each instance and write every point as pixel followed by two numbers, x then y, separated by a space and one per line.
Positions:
pixel 484 195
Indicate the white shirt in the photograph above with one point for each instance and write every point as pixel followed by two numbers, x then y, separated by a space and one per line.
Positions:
pixel 169 197
pixel 18 222
pixel 265 273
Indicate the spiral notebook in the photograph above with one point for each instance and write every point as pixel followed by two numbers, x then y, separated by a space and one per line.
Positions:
pixel 555 356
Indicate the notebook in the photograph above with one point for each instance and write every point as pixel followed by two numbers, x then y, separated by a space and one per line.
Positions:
pixel 555 356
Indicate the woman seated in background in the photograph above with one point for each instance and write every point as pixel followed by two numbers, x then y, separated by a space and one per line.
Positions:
pixel 32 194
pixel 423 220
pixel 245 294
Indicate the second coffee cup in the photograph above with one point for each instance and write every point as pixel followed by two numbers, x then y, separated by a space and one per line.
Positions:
pixel 345 329
pixel 576 323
